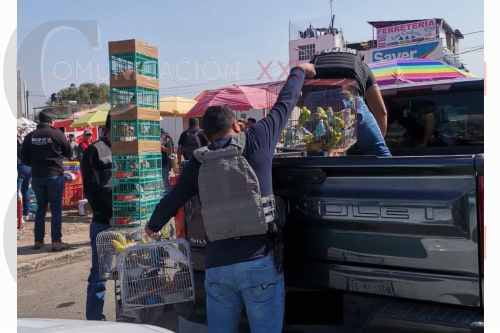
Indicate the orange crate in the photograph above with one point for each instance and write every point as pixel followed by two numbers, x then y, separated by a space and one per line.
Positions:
pixel 72 194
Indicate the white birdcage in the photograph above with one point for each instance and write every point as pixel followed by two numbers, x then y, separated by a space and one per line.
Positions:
pixel 107 252
pixel 155 274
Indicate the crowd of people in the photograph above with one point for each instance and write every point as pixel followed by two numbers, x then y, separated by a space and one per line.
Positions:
pixel 228 165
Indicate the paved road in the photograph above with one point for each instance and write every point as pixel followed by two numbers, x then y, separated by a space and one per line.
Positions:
pixel 58 293
pixel 61 293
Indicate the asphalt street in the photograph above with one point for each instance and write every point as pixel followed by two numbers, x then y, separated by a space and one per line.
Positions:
pixel 61 293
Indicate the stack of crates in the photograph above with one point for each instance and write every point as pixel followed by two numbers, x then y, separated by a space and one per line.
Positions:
pixel 135 131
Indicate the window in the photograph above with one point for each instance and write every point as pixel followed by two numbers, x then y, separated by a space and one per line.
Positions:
pixel 306 52
pixel 440 123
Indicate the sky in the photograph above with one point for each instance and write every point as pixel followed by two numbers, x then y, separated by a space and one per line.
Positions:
pixel 206 44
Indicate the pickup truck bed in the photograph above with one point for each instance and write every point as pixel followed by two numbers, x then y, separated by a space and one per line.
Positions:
pixel 400 228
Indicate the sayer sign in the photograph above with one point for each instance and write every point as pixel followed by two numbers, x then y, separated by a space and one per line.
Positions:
pixel 410 51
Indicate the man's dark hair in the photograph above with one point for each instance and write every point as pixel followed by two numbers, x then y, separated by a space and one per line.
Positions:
pixel 252 120
pixel 194 122
pixel 217 119
pixel 44 116
pixel 71 136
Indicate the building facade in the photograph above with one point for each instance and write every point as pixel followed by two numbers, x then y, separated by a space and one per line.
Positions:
pixel 424 38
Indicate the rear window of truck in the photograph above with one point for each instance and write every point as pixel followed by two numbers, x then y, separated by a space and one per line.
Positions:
pixel 435 123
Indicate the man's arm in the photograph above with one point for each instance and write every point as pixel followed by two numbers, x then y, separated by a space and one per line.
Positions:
pixel 89 174
pixel 428 128
pixel 182 192
pixel 377 107
pixel 65 146
pixel 179 147
pixel 268 130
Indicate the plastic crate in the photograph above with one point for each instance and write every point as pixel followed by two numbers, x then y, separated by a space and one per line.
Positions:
pixel 140 96
pixel 132 130
pixel 133 213
pixel 148 165
pixel 137 188
pixel 137 62
pixel 72 194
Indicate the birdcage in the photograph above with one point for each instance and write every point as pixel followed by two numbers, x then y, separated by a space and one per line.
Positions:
pixel 156 273
pixel 132 130
pixel 130 189
pixel 327 122
pixel 137 62
pixel 140 96
pixel 109 243
pixel 147 165
pixel 134 212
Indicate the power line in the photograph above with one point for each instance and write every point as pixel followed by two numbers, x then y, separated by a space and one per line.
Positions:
pixel 473 32
pixel 472 49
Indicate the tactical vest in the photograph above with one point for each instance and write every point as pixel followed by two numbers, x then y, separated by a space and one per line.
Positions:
pixel 231 202
pixel 105 164
pixel 341 65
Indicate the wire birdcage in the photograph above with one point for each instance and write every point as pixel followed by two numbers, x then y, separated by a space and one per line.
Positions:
pixel 107 252
pixel 156 274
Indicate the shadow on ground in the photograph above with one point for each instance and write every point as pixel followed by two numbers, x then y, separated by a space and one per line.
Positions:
pixel 47 248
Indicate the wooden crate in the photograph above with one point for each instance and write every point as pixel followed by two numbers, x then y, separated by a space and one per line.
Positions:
pixel 135 147
pixel 133 112
pixel 131 46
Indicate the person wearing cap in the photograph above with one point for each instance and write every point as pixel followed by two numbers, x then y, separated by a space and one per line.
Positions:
pixel 44 150
pixel 84 143
pixel 96 166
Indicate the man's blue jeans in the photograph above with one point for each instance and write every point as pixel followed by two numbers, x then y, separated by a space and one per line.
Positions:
pixel 96 288
pixel 370 138
pixel 23 185
pixel 48 190
pixel 256 285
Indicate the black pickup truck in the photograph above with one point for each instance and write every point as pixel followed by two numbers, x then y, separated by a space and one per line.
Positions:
pixel 392 244
pixel 386 244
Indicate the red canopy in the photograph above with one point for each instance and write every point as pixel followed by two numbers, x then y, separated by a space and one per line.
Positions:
pixel 238 98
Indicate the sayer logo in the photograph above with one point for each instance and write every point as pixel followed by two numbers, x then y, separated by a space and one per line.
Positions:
pixel 410 51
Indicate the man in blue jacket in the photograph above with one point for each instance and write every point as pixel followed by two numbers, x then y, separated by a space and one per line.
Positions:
pixel 240 270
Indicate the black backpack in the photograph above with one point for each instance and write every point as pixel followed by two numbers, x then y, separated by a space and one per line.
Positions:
pixel 191 143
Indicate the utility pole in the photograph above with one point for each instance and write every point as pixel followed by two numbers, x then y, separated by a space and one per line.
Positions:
pixel 26 101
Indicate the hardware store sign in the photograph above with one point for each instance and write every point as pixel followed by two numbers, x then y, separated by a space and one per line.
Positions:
pixel 406 33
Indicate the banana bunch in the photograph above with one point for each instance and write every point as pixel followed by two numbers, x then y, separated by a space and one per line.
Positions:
pixel 122 243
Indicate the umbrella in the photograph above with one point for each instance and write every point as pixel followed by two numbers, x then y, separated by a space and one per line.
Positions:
pixel 414 70
pixel 238 98
pixel 96 118
pixel 175 105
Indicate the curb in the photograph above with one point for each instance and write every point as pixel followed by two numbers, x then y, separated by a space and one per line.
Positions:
pixel 51 261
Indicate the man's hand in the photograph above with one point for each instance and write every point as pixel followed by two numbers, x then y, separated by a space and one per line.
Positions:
pixel 151 233
pixel 308 69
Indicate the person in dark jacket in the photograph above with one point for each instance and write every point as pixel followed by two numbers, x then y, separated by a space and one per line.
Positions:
pixel 23 179
pixel 44 150
pixel 96 166
pixel 241 271
pixel 190 140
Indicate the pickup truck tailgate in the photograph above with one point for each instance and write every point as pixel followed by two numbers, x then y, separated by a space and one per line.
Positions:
pixel 402 226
